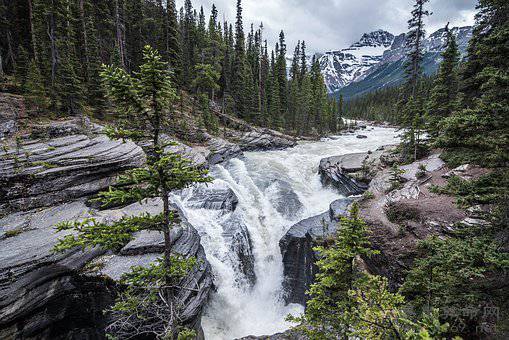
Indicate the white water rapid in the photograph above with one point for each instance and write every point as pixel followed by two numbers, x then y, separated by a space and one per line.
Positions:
pixel 275 189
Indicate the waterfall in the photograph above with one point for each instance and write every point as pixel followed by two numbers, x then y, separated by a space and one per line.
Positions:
pixel 244 213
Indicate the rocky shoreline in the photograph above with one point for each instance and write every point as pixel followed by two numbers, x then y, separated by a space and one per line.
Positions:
pixel 400 214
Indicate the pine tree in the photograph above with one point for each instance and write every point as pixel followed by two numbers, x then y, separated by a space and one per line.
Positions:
pixel 21 64
pixel 188 28
pixel 413 112
pixel 206 80
pixel 36 95
pixel 273 91
pixel 264 85
pixel 348 303
pixel 173 44
pixel 414 41
pixel 341 115
pixel 68 84
pixel 330 303
pixel 305 105
pixel 282 75
pixel 303 61
pixel 238 79
pixel 144 104
pixel 443 98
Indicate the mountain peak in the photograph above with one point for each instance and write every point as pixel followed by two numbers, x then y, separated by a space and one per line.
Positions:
pixel 376 38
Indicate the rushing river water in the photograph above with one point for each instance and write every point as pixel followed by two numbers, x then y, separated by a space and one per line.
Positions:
pixel 275 189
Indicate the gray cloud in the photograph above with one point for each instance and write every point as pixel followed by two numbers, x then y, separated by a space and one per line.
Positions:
pixel 332 24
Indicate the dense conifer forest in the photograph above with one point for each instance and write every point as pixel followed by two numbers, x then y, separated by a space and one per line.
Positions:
pixel 54 50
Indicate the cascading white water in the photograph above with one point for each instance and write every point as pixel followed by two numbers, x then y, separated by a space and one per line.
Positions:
pixel 275 189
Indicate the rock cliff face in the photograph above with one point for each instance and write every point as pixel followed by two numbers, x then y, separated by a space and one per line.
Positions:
pixel 12 110
pixel 400 216
pixel 298 254
pixel 41 292
pixel 235 234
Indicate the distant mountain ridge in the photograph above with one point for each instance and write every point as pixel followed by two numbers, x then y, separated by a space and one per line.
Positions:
pixel 377 61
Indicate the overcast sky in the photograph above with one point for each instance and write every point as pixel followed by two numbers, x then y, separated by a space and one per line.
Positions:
pixel 333 24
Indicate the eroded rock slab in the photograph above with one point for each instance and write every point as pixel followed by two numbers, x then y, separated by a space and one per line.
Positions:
pixel 260 139
pixel 338 171
pixel 41 173
pixel 221 150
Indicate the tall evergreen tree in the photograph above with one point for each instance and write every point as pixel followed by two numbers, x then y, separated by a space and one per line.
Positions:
pixel 282 74
pixel 173 43
pixel 444 93
pixel 414 42
pixel 144 106
pixel 238 68
pixel 479 131
pixel 412 111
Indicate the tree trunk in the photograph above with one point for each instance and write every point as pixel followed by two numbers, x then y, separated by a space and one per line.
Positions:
pixel 53 45
pixel 119 36
pixel 85 40
pixel 166 229
pixel 32 30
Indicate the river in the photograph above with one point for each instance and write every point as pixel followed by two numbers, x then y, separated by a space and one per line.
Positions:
pixel 275 189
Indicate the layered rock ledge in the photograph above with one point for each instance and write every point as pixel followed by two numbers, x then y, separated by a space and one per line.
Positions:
pixel 40 173
pixel 45 295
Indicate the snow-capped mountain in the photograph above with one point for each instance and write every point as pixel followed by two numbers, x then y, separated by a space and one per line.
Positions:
pixel 377 60
pixel 345 66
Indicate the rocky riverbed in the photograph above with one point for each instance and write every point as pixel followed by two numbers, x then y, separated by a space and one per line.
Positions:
pixel 48 173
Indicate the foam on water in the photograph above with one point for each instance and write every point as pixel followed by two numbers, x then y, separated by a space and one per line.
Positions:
pixel 262 181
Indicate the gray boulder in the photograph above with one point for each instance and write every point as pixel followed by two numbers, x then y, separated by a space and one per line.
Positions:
pixel 351 173
pixel 213 197
pixel 285 200
pixel 260 139
pixel 337 171
pixel 240 255
pixel 221 150
pixel 12 108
